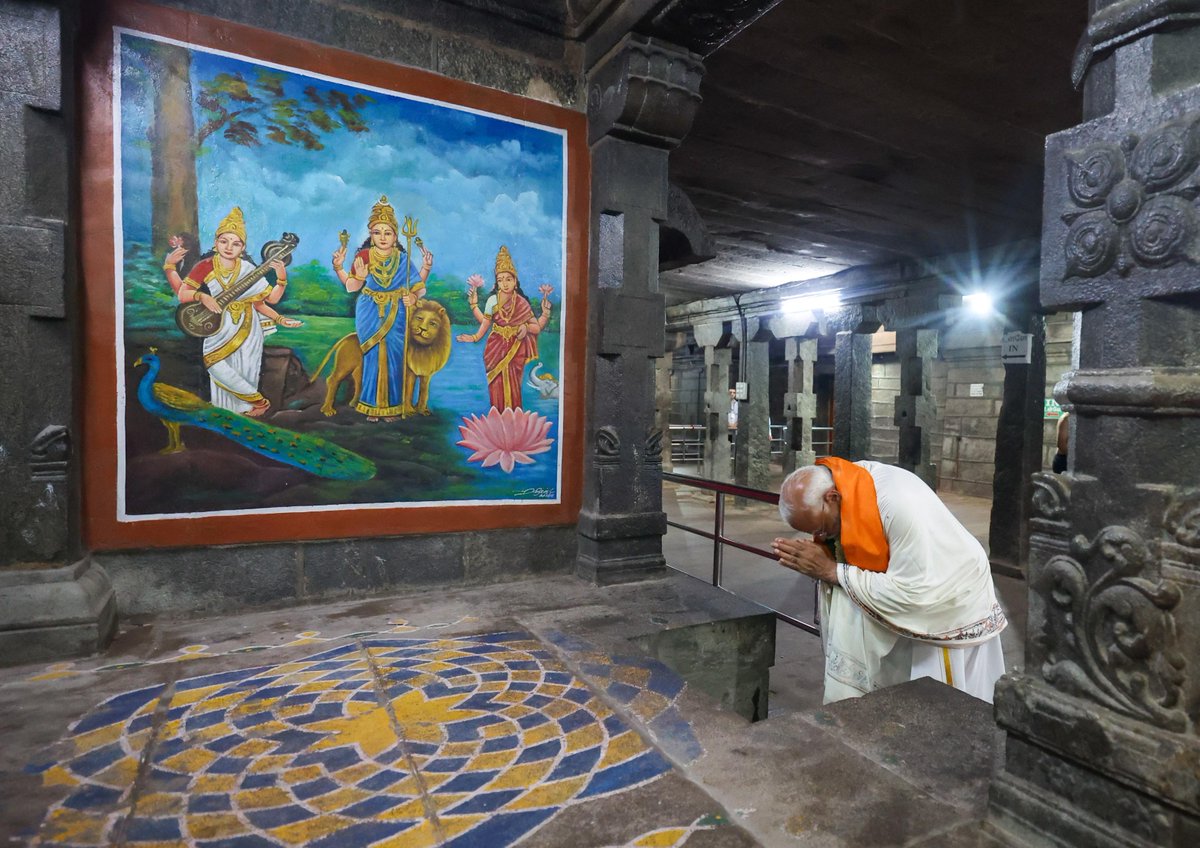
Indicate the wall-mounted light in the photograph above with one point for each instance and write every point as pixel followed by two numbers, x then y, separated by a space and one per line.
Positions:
pixel 979 303
pixel 826 301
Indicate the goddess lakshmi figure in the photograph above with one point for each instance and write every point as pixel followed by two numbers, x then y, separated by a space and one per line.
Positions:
pixel 388 287
pixel 512 340
pixel 232 355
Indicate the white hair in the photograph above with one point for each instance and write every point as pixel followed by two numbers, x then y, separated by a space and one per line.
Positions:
pixel 813 481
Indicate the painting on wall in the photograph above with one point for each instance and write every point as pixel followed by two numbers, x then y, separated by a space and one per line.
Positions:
pixel 346 296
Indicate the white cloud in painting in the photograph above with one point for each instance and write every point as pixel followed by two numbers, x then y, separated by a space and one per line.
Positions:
pixel 520 216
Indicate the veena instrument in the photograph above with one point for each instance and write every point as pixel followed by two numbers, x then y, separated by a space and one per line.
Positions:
pixel 199 322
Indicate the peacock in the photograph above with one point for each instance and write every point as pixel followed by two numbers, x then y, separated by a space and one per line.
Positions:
pixel 176 407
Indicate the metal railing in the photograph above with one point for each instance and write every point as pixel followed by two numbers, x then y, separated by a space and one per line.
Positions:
pixel 720 540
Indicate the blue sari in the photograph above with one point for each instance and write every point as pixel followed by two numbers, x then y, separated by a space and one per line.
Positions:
pixel 380 321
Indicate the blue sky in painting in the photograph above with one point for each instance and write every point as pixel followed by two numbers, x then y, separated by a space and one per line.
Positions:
pixel 473 181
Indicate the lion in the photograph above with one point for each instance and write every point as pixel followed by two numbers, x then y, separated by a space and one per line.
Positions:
pixel 428 340
pixel 429 337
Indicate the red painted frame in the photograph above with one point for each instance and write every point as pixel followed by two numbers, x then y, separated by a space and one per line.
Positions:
pixel 101 529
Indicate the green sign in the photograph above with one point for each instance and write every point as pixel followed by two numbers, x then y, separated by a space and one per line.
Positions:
pixel 1053 410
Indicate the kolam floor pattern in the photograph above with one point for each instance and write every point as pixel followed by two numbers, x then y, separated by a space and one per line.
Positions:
pixel 460 741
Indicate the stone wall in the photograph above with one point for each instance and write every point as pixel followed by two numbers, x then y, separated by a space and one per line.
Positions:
pixel 885 385
pixel 966 425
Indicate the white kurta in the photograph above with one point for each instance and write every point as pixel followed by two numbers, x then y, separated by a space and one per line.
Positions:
pixel 933 613
pixel 239 345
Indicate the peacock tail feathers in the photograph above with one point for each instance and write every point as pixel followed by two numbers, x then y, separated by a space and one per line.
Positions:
pixel 310 453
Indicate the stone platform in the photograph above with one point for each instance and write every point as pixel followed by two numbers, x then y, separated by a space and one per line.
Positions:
pixel 526 712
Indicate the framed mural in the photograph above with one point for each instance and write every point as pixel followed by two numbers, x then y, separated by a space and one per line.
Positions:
pixel 325 296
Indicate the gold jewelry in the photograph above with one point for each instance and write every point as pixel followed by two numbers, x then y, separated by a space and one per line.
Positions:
pixel 170 266
pixel 338 268
pixel 383 266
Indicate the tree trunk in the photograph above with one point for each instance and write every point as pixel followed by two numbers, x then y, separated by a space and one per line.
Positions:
pixel 172 150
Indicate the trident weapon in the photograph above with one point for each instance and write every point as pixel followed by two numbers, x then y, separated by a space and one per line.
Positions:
pixel 410 232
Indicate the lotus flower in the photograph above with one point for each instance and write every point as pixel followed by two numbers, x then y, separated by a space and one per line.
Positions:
pixel 505 438
pixel 475 281
pixel 546 289
pixel 175 241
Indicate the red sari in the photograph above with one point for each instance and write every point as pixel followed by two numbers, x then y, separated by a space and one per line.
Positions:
pixel 504 355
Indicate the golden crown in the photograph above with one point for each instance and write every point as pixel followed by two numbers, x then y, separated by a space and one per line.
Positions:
pixel 383 213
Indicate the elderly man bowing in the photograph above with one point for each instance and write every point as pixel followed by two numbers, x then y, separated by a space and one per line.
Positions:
pixel 906 591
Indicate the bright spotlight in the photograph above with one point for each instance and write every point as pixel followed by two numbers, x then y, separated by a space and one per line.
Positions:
pixel 827 301
pixel 979 303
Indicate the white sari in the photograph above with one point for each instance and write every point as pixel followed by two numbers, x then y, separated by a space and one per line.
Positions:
pixel 233 355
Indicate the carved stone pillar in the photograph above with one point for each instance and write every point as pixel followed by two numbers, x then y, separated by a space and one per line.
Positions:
pixel 916 408
pixel 1102 745
pixel 640 105
pixel 53 600
pixel 752 441
pixel 799 404
pixel 717 362
pixel 852 396
pixel 663 371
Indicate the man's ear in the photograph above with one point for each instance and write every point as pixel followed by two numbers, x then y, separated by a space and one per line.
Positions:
pixel 833 496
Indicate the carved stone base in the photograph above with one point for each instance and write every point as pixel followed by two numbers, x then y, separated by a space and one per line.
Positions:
pixel 1076 773
pixel 1093 811
pixel 48 613
pixel 620 561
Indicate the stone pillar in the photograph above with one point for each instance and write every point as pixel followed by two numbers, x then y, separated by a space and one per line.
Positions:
pixel 752 442
pixel 852 396
pixel 1018 453
pixel 642 99
pixel 799 405
pixel 53 600
pixel 1102 746
pixel 663 372
pixel 716 400
pixel 916 408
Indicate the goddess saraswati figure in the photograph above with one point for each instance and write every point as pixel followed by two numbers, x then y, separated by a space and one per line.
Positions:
pixel 388 285
pixel 232 355
pixel 512 340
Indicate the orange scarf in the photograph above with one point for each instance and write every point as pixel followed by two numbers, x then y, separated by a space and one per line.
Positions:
pixel 862 535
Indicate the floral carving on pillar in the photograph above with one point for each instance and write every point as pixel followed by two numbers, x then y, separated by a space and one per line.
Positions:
pixel 1183 518
pixel 1133 202
pixel 1113 639
pixel 654 446
pixel 1051 495
pixel 608 446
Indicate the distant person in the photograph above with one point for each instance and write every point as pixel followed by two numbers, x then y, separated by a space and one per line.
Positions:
pixel 906 590
pixel 733 410
pixel 1064 438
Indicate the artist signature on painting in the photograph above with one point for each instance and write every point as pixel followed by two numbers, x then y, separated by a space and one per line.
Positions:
pixel 536 493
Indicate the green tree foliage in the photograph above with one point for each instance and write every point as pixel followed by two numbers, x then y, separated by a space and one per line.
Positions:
pixel 247 111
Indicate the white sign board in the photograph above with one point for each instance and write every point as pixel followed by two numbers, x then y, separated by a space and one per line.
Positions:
pixel 1016 348
pixel 976 390
pixel 740 391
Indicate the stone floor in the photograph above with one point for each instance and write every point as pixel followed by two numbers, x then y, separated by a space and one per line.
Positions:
pixel 518 713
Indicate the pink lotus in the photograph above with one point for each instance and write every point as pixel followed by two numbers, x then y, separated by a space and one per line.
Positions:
pixel 546 289
pixel 505 438
pixel 476 281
